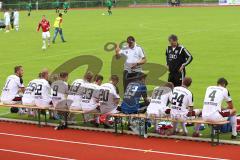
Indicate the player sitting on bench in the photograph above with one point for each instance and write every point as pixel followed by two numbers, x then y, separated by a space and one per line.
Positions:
pixel 135 99
pixel 212 108
pixel 160 100
pixel 181 104
pixel 13 87
pixel 109 99
pixel 43 97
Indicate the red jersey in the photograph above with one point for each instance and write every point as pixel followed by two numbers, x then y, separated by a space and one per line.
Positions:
pixel 45 25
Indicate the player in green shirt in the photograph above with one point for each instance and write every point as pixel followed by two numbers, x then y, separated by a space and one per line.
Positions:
pixel 65 6
pixel 109 6
pixel 57 6
pixel 29 8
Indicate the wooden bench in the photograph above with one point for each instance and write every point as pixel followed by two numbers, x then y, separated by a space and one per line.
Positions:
pixel 215 126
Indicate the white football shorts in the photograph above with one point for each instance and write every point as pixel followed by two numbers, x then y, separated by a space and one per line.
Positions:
pixel 45 35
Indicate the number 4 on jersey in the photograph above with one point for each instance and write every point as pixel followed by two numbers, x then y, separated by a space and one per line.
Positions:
pixel 212 95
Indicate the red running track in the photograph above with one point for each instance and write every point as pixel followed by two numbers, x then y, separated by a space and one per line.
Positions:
pixel 22 141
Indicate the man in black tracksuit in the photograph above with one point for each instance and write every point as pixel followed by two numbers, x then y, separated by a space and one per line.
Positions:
pixel 177 58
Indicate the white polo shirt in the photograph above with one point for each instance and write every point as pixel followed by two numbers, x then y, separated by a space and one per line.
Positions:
pixel 133 55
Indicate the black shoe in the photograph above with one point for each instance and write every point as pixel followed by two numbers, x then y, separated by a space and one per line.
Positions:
pixel 64 41
pixel 61 127
pixel 233 137
pixel 107 126
pixel 53 42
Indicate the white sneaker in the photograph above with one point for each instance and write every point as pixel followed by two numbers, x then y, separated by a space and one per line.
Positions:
pixel 44 47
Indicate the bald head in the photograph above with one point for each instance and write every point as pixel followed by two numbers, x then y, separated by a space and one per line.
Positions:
pixel 187 81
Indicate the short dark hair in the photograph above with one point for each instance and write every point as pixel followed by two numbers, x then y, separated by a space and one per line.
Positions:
pixel 222 81
pixel 131 39
pixel 17 68
pixel 98 77
pixel 114 78
pixel 187 81
pixel 173 37
pixel 60 14
pixel 63 74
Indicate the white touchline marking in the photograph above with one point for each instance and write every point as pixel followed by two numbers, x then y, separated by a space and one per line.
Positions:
pixel 113 147
pixel 35 154
pixel 3 114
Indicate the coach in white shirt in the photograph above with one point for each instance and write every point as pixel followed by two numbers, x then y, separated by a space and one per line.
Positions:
pixel 12 87
pixel 135 57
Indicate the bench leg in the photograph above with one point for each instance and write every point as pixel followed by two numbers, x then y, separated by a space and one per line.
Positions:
pixel 215 135
pixel 121 121
pixel 45 117
pixel 66 119
pixel 212 135
pixel 218 133
pixel 140 130
pixel 146 126
pixel 115 125
pixel 39 117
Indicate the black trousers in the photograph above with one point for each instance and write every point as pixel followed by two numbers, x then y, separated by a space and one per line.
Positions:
pixel 127 78
pixel 176 77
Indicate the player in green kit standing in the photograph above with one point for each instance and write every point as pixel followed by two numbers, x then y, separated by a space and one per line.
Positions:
pixel 57 6
pixel 109 6
pixel 65 7
pixel 29 8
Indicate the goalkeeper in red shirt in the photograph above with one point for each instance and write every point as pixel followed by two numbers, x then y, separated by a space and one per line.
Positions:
pixel 45 25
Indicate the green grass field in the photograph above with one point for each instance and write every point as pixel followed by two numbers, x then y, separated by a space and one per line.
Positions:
pixel 210 34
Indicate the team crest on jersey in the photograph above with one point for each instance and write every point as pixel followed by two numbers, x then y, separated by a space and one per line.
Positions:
pixel 176 51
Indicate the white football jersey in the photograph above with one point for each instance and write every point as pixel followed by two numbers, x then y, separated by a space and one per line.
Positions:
pixel 59 91
pixel 182 98
pixel 16 16
pixel 6 16
pixel 161 96
pixel 214 97
pixel 43 91
pixel 11 88
pixel 29 94
pixel 89 100
pixel 107 95
pixel 74 92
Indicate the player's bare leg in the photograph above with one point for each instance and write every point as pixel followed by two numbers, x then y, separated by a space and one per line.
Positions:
pixel 49 42
pixel 233 122
pixel 16 27
pixel 185 131
pixel 175 126
pixel 7 28
pixel 44 44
